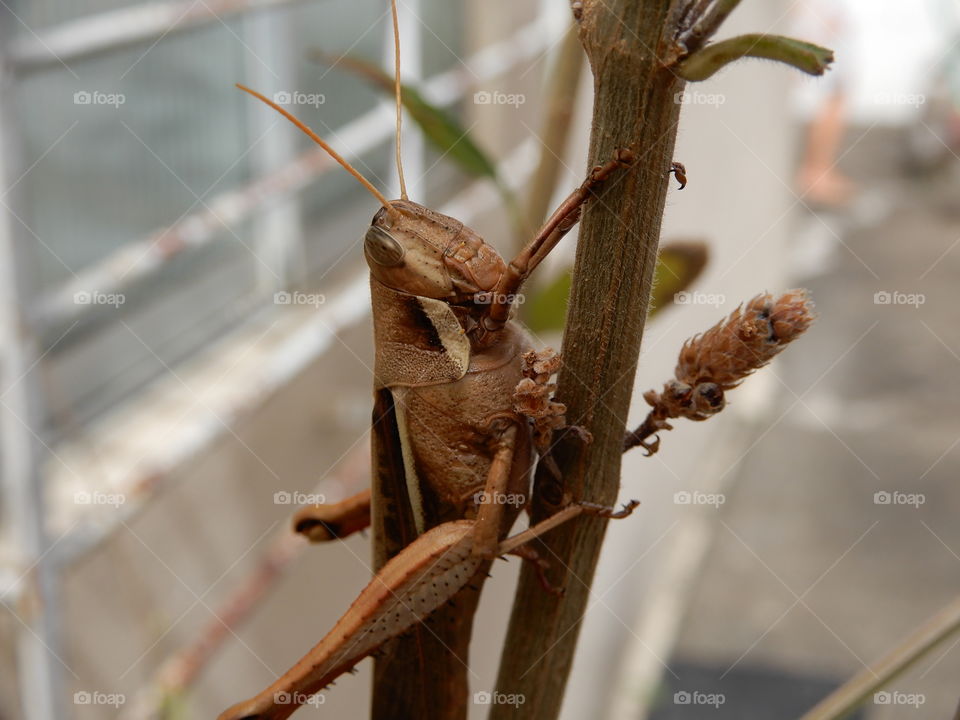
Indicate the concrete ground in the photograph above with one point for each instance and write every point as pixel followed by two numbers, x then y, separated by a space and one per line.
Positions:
pixel 840 534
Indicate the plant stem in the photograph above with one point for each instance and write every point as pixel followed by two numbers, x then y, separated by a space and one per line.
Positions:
pixel 616 255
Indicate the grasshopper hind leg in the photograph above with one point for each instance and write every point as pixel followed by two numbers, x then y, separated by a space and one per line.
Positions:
pixel 322 523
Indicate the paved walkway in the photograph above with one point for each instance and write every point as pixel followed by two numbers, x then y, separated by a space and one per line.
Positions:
pixel 841 532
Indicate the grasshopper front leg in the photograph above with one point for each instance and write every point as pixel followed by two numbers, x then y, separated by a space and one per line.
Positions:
pixel 556 226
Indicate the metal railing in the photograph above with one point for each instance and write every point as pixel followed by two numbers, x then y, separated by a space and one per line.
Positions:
pixel 29 589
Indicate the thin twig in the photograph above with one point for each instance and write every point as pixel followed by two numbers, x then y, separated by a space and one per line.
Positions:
pixel 181 670
pixel 708 19
pixel 848 697
pixel 561 99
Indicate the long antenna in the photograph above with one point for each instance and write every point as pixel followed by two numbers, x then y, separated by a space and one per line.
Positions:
pixel 322 143
pixel 397 93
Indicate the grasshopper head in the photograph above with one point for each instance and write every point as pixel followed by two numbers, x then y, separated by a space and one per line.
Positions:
pixel 418 251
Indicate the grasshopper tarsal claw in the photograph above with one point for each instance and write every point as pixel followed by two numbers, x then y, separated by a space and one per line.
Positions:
pixel 679 172
pixel 322 523
pixel 639 437
pixel 530 555
pixel 651 447
pixel 608 512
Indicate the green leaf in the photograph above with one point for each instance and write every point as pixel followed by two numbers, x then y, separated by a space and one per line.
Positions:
pixel 440 127
pixel 679 264
pixel 804 56
pixel 173 706
pixel 545 309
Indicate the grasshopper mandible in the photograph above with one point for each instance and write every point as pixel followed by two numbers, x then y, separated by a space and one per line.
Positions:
pixel 461 414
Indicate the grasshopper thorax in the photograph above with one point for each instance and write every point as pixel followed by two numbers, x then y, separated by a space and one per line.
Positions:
pixel 419 251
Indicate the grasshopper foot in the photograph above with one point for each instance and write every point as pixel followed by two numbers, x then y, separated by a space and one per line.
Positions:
pixel 650 446
pixel 645 435
pixel 679 172
pixel 530 555
pixel 609 512
pixel 322 522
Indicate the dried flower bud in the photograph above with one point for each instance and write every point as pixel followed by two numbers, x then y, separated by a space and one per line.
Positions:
pixel 533 396
pixel 707 399
pixel 719 359
pixel 745 341
pixel 539 366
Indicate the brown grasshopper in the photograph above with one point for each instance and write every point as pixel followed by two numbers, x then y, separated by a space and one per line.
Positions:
pixel 461 413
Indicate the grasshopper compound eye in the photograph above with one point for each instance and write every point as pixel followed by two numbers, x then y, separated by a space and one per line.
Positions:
pixel 382 248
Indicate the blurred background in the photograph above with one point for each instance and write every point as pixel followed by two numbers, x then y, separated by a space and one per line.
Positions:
pixel 186 348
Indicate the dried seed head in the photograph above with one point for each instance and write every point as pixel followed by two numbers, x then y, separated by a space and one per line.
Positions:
pixel 708 399
pixel 745 341
pixel 719 359
pixel 539 366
